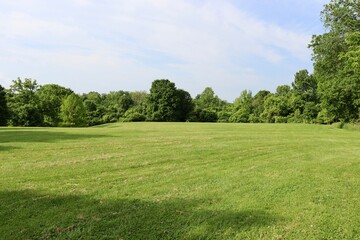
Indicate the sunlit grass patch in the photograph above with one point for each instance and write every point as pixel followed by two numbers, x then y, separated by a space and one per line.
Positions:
pixel 180 181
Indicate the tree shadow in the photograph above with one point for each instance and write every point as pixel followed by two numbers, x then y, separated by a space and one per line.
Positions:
pixel 7 148
pixel 30 215
pixel 18 135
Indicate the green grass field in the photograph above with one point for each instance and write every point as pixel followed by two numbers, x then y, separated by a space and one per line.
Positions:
pixel 180 181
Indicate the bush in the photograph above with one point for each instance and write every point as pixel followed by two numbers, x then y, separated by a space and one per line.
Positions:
pixel 132 115
pixel 203 115
pixel 109 118
pixel 324 117
pixel 223 116
pixel 281 119
pixel 254 119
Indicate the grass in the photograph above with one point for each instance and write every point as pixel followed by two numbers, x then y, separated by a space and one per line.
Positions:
pixel 180 181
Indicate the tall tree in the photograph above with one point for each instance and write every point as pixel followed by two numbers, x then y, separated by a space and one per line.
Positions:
pixel 242 107
pixel 73 112
pixel 185 106
pixel 138 97
pixel 95 109
pixel 305 85
pixel 208 100
pixel 283 91
pixel 23 103
pixel 277 106
pixel 335 54
pixel 137 112
pixel 51 96
pixel 304 100
pixel 258 105
pixel 116 103
pixel 4 113
pixel 207 106
pixel 163 101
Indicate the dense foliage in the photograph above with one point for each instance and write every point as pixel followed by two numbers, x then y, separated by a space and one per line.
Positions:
pixel 51 97
pixel 336 56
pixel 73 111
pixel 3 107
pixel 52 105
pixel 331 94
pixel 24 104
pixel 167 103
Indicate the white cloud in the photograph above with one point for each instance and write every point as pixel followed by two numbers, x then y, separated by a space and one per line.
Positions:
pixel 127 44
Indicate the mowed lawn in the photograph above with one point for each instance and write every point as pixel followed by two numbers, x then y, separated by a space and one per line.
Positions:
pixel 180 181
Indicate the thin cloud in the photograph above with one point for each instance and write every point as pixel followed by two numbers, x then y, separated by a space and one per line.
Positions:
pixel 127 44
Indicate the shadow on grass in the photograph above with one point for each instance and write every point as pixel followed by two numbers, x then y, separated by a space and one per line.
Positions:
pixel 30 215
pixel 18 135
pixel 7 148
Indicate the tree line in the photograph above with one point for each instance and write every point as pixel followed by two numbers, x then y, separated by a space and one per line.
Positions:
pixel 330 94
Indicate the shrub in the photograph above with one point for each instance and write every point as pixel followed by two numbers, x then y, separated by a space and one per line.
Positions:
pixel 132 115
pixel 281 119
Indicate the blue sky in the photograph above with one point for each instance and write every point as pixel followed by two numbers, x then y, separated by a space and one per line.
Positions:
pixel 109 45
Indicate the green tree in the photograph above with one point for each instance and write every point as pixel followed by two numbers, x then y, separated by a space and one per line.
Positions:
pixel 116 103
pixel 138 97
pixel 242 107
pixel 352 56
pixel 304 100
pixel 311 111
pixel 258 105
pixel 208 106
pixel 23 103
pixel 271 109
pixel 185 106
pixel 139 100
pixel 352 73
pixel 73 112
pixel 95 109
pixel 137 113
pixel 4 113
pixel 335 54
pixel 51 96
pixel 134 115
pixel 305 85
pixel 277 106
pixel 208 100
pixel 163 101
pixel 283 91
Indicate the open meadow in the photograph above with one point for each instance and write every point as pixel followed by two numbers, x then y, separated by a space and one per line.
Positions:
pixel 180 181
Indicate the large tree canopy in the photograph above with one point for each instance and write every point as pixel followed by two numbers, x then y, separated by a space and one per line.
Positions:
pixel 51 96
pixel 242 108
pixel 208 106
pixel 336 56
pixel 162 101
pixel 73 112
pixel 167 103
pixel 23 103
